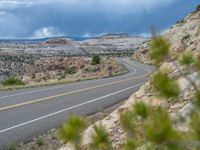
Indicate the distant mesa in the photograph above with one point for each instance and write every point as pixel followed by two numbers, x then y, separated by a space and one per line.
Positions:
pixel 114 36
pixel 59 41
pixel 68 41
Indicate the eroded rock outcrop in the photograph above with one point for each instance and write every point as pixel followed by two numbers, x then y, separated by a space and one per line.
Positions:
pixel 183 37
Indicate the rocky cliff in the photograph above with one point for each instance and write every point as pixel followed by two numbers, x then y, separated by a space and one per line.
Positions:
pixel 184 36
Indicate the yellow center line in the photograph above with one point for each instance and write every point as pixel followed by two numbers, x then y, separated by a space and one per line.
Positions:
pixel 65 94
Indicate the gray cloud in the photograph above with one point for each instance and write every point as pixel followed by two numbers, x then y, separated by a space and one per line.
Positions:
pixel 41 18
pixel 14 4
pixel 46 32
pixel 109 6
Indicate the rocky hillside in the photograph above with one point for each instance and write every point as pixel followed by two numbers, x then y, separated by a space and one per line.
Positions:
pixel 183 37
pixel 112 43
pixel 37 70
pixel 109 43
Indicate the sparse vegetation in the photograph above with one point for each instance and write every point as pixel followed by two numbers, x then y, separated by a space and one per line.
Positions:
pixel 186 59
pixel 40 141
pixel 127 120
pixel 62 77
pixel 70 70
pixel 165 86
pixel 12 82
pixel 55 70
pixel 100 139
pixel 71 131
pixel 82 66
pixel 11 146
pixel 96 60
pixel 159 50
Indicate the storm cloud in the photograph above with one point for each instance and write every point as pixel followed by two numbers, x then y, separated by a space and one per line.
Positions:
pixel 46 18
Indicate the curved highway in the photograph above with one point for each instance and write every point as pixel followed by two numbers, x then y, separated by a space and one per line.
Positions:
pixel 27 113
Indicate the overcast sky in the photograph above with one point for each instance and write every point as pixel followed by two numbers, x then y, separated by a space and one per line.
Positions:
pixel 47 18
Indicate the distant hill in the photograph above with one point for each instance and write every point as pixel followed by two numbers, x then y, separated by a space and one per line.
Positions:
pixel 75 38
pixel 32 41
pixel 113 36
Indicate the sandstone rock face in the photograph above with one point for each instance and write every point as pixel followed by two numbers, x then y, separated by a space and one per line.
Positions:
pixel 142 53
pixel 183 37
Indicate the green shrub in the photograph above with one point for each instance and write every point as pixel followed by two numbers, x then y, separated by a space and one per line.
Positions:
pixel 62 77
pixel 194 124
pixel 11 146
pixel 33 76
pixel 159 128
pixel 82 66
pixel 71 70
pixel 100 139
pixel 165 86
pixel 130 144
pixel 141 109
pixel 196 65
pixel 12 82
pixel 128 122
pixel 71 131
pixel 187 59
pixel 197 99
pixel 96 60
pixel 159 49
pixel 39 141
pixel 44 78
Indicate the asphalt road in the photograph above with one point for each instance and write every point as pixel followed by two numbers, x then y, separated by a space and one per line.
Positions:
pixel 27 113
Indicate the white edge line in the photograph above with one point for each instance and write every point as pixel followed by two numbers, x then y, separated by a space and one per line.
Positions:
pixel 63 110
pixel 39 90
